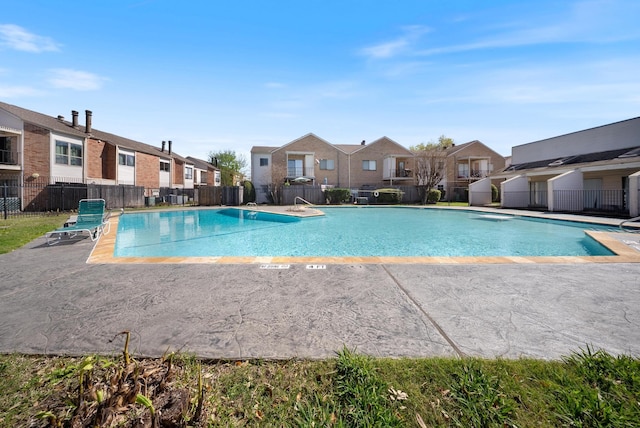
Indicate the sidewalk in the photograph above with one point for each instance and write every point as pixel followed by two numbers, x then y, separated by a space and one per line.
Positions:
pixel 53 302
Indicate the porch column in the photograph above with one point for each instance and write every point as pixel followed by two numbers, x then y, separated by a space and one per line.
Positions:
pixel 564 192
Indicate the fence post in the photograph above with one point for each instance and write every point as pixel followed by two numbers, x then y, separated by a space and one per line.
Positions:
pixel 4 200
pixel 62 197
pixel 122 196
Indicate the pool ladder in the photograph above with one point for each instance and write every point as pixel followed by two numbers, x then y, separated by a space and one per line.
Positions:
pixel 295 203
pixel 631 220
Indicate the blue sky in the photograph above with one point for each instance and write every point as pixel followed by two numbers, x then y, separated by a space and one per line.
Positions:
pixel 214 75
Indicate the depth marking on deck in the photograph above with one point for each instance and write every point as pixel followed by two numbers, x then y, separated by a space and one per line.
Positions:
pixel 273 266
pixel 316 267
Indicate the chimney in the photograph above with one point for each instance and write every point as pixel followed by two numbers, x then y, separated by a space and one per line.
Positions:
pixel 74 118
pixel 163 143
pixel 61 118
pixel 362 144
pixel 169 146
pixel 88 121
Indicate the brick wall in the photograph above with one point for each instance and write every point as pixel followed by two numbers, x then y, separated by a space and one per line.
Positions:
pixel 37 150
pixel 319 148
pixel 474 150
pixel 376 151
pixel 101 160
pixel 178 173
pixel 147 171
pixel 347 170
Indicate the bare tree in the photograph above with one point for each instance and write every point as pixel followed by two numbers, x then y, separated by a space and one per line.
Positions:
pixel 430 161
pixel 278 175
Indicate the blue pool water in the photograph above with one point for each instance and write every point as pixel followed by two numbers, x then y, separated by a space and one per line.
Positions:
pixel 357 231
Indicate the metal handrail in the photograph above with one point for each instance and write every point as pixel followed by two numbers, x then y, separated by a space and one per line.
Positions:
pixel 295 201
pixel 631 220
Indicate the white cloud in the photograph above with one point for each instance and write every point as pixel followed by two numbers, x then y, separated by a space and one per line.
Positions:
pixel 17 38
pixel 75 79
pixel 18 91
pixel 397 46
pixel 591 21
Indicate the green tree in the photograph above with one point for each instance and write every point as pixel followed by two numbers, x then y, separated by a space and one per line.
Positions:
pixel 430 159
pixel 231 165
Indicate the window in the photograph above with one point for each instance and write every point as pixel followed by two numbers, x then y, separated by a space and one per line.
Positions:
pixel 127 160
pixel 6 156
pixel 294 168
pixel 326 164
pixel 368 165
pixel 264 161
pixel 203 176
pixel 188 173
pixel 165 166
pixel 68 153
pixel 463 170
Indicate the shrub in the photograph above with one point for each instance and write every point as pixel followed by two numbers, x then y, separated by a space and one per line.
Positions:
pixel 433 196
pixel 337 196
pixel 495 195
pixel 389 196
pixel 249 192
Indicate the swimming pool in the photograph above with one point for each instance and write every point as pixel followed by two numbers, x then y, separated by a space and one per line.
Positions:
pixel 350 231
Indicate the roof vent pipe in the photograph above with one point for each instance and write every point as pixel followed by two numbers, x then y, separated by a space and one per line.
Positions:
pixel 74 118
pixel 169 146
pixel 88 121
pixel 61 118
pixel 163 143
pixel 362 144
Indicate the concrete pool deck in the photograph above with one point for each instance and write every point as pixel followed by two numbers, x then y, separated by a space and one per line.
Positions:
pixel 53 301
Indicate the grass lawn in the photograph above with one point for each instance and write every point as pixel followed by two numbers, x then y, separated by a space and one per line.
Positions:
pixel 586 389
pixel 18 231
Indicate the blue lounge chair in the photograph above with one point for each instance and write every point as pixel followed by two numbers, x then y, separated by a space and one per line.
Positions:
pixel 91 219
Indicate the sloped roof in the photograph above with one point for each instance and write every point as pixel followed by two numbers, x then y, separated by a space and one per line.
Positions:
pixel 126 143
pixel 627 153
pixel 200 164
pixel 263 149
pixel 458 147
pixel 48 122
pixel 349 148
pixel 310 134
pixel 65 126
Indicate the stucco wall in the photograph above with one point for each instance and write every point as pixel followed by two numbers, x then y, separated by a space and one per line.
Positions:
pixel 614 136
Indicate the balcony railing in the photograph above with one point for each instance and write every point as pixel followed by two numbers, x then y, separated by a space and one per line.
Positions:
pixel 7 157
pixel 400 173
pixel 299 172
pixel 474 174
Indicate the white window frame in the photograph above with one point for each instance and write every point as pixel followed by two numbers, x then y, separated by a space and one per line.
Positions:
pixel 369 165
pixel 129 159
pixel 68 157
pixel 327 164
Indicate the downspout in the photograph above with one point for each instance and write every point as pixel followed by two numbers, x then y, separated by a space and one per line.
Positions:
pixel 349 169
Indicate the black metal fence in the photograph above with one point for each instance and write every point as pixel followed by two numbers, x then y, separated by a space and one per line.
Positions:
pixel 596 201
pixel 532 200
pixel 35 196
pixel 573 201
